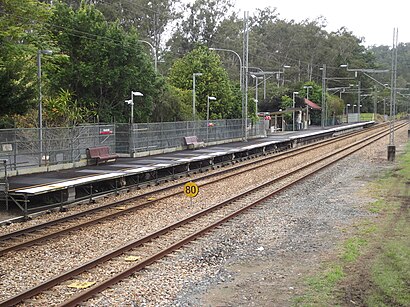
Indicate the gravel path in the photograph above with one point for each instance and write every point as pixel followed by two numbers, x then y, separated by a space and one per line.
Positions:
pixel 260 258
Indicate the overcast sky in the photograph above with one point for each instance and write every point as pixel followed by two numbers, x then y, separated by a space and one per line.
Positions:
pixel 372 19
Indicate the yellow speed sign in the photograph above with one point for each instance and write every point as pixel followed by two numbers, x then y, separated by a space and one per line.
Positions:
pixel 191 189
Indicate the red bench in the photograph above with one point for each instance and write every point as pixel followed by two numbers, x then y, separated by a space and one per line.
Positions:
pixel 101 154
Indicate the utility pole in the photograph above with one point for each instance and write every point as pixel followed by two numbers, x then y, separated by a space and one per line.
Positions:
pixel 324 109
pixel 358 99
pixel 391 148
pixel 374 105
pixel 245 73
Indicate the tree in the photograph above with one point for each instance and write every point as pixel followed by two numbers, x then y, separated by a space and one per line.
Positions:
pixel 22 33
pixel 105 63
pixel 58 111
pixel 175 105
pixel 213 82
pixel 149 17
pixel 229 36
pixel 199 27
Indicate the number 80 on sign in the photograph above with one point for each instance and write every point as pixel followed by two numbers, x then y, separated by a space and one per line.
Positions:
pixel 191 189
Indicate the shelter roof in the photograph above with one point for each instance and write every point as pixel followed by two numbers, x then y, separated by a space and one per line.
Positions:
pixel 312 104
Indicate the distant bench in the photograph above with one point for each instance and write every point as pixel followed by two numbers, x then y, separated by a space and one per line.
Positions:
pixel 193 143
pixel 101 154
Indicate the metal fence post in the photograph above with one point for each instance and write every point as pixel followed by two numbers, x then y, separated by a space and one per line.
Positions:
pixel 6 185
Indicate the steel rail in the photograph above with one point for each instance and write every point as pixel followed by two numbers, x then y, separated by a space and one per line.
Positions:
pixel 147 194
pixel 275 159
pixel 118 277
pixel 95 262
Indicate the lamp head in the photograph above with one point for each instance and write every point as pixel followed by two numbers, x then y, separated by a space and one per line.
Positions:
pixel 129 101
pixel 211 98
pixel 343 65
pixel 47 52
pixel 137 94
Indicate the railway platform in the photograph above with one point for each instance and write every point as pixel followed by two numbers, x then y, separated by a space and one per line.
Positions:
pixel 38 191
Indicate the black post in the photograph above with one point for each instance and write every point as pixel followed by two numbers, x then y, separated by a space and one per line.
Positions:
pixel 391 152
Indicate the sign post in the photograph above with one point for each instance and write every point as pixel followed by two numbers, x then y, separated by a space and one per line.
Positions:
pixel 191 190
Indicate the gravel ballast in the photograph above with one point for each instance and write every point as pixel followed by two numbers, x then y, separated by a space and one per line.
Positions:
pixel 262 257
pixel 257 259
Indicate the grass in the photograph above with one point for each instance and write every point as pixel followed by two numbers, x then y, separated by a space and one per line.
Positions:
pixel 322 285
pixel 377 206
pixel 391 269
pixel 352 248
pixel 366 116
pixel 382 243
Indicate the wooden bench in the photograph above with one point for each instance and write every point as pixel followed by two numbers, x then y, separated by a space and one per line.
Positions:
pixel 101 154
pixel 193 143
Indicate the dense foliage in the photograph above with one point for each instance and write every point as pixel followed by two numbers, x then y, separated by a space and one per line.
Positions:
pixel 101 53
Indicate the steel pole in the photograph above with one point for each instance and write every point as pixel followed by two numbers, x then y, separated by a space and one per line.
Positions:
pixel 307 108
pixel 154 51
pixel 193 97
pixel 207 119
pixel 40 109
pixel 323 95
pixel 358 100
pixel 293 113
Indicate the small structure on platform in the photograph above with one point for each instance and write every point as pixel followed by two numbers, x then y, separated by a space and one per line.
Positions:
pixel 100 154
pixel 193 143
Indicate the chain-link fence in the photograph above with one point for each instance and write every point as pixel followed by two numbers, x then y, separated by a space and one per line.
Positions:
pixel 24 148
pixel 157 136
pixel 21 147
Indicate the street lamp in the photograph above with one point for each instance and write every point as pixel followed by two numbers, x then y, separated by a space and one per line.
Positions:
pixel 131 102
pixel 293 106
pixel 256 92
pixel 347 112
pixel 283 73
pixel 207 115
pixel 242 83
pixel 240 63
pixel 40 104
pixel 195 74
pixel 307 87
pixel 154 51
pixel 365 71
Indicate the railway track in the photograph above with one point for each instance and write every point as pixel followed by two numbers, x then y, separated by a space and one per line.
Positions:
pixel 168 239
pixel 59 227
